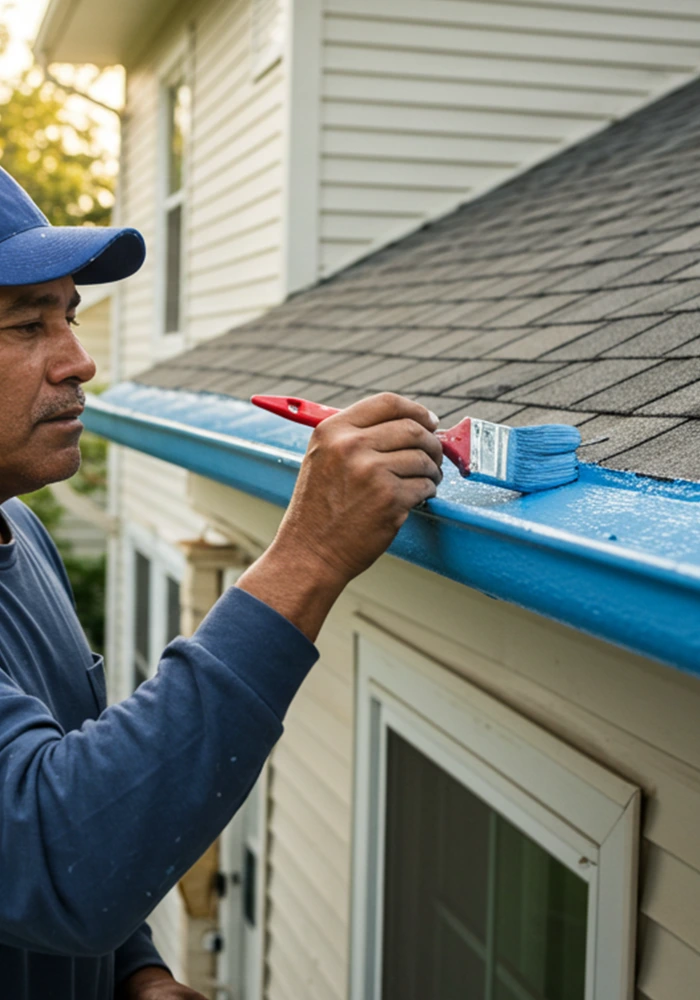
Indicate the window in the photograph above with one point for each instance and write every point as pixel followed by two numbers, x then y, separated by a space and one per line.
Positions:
pixel 267 35
pixel 177 100
pixel 490 906
pixel 156 574
pixel 142 618
pixel 491 860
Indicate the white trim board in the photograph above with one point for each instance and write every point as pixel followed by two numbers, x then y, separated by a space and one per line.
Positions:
pixel 581 813
pixel 302 146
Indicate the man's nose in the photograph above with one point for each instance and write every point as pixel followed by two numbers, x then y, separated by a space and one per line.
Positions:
pixel 71 361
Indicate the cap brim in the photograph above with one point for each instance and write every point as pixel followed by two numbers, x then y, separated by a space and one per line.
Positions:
pixel 91 254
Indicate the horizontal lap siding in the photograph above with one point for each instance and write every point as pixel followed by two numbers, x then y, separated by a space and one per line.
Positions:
pixel 309 846
pixel 426 103
pixel 232 218
pixel 155 496
pixel 633 716
pixel 234 228
pixel 138 187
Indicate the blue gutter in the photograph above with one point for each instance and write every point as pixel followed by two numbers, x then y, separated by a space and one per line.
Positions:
pixel 613 555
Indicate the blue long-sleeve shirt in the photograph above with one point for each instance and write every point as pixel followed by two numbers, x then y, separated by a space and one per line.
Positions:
pixel 102 810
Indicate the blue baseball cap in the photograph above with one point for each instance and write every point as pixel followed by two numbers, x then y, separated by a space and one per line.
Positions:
pixel 33 251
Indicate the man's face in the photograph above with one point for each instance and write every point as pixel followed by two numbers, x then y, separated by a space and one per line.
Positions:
pixel 42 366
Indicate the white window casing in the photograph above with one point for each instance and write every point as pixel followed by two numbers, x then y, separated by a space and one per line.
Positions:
pixel 175 75
pixel 166 570
pixel 580 813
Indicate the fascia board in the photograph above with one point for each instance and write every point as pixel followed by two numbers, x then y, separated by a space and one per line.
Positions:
pixel 612 555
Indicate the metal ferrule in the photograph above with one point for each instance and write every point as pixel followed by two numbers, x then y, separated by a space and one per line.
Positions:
pixel 489 449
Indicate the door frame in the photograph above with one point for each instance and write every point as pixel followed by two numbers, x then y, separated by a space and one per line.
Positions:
pixel 577 810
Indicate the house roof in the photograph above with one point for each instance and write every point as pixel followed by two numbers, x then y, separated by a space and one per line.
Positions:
pixel 570 294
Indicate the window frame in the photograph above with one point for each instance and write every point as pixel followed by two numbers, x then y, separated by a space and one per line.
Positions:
pixel 581 813
pixel 175 69
pixel 165 561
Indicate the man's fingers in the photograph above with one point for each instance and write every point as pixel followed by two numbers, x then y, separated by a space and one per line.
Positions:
pixel 413 492
pixel 388 406
pixel 397 435
pixel 413 464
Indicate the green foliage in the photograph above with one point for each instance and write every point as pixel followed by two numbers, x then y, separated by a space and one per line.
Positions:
pixel 47 509
pixel 88 577
pixel 55 154
pixel 91 478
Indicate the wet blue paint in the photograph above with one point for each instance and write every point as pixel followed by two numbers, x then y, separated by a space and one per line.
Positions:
pixel 612 554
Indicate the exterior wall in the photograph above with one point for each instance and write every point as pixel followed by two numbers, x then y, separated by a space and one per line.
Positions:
pixel 232 229
pixel 631 715
pixel 233 183
pixel 426 104
pixel 95 326
pixel 234 237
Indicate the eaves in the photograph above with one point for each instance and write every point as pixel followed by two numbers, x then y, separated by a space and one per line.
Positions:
pixel 613 555
pixel 97 31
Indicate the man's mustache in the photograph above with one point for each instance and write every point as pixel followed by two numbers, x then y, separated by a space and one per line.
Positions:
pixel 58 406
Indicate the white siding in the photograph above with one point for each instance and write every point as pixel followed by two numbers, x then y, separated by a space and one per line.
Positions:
pixel 634 716
pixel 234 233
pixel 427 102
pixel 233 226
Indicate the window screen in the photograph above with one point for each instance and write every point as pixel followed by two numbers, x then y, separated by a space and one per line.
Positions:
pixel 173 610
pixel 142 617
pixel 473 909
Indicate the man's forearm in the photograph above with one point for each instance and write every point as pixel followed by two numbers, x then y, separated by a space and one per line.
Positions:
pixel 296 584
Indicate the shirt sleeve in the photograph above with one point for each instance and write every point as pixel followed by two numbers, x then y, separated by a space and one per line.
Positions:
pixel 100 822
pixel 136 953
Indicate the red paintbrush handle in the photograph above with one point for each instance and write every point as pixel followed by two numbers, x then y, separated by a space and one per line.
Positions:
pixel 301 411
pixel 456 442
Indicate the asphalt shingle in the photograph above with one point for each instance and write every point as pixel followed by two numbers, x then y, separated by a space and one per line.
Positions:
pixel 655 382
pixel 569 294
pixel 672 455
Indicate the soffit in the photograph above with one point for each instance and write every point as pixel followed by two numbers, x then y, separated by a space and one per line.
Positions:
pixel 97 31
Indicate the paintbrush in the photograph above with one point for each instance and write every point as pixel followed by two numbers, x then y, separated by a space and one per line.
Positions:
pixel 526 459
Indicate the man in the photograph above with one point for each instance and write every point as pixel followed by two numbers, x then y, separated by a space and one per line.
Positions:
pixel 102 810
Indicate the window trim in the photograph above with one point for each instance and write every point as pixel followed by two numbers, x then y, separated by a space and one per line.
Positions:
pixel 165 561
pixel 175 68
pixel 565 801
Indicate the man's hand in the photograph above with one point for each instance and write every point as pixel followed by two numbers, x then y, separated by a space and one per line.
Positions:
pixel 155 983
pixel 365 468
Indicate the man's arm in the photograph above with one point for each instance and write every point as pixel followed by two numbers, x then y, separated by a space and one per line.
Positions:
pixel 101 822
pixel 365 468
pixel 138 952
pixel 155 983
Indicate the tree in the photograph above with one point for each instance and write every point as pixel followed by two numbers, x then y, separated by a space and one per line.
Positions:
pixel 54 152
pixel 50 144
